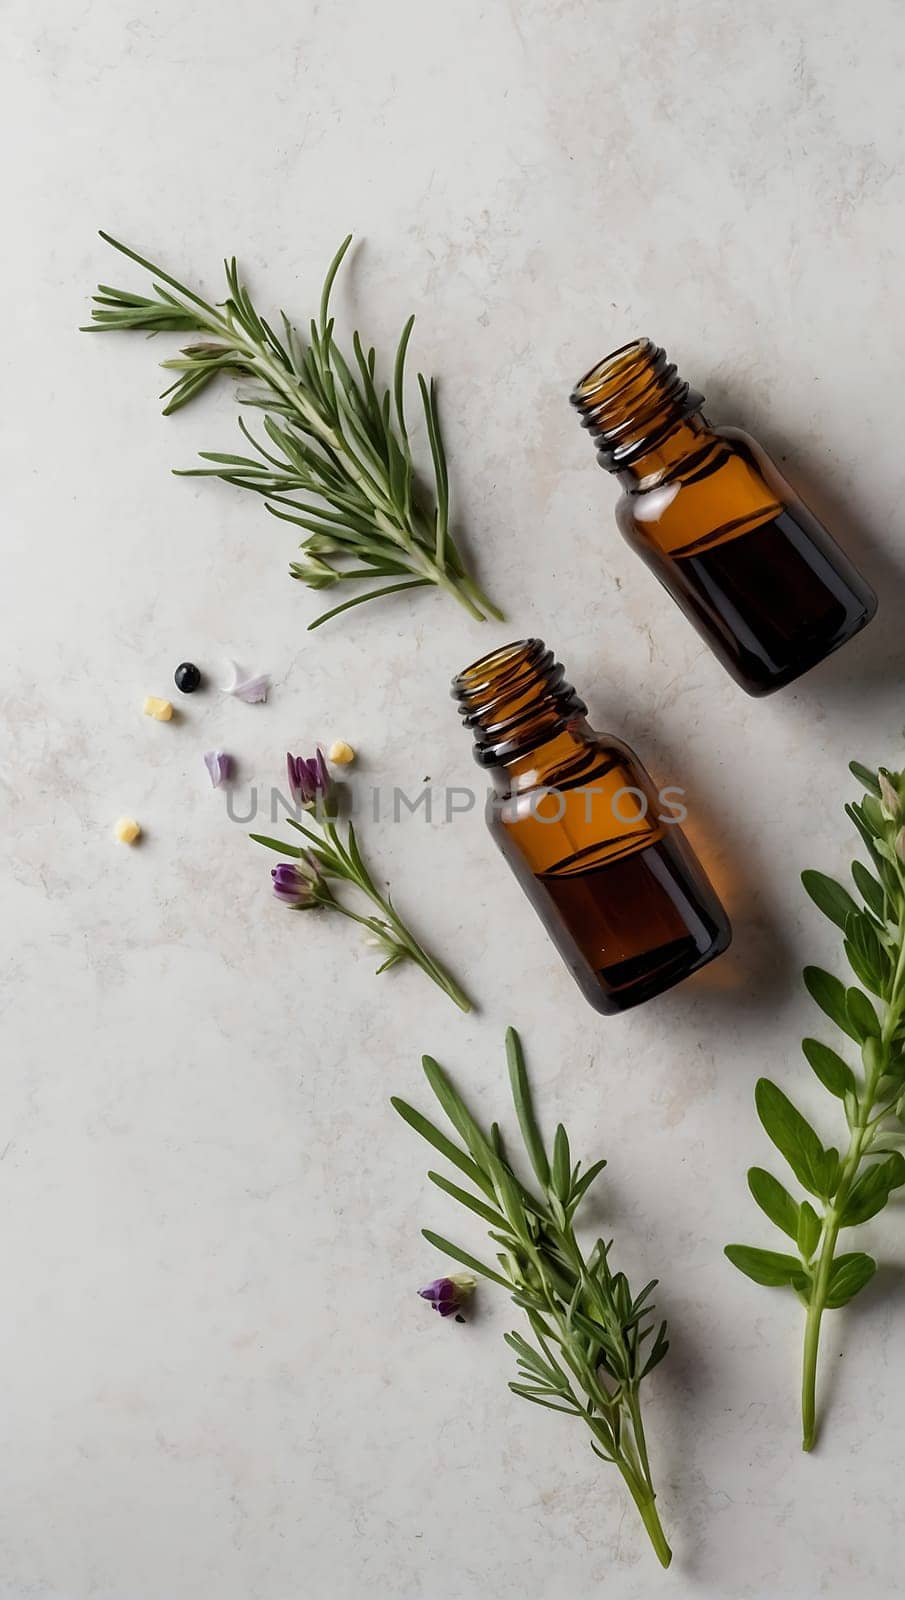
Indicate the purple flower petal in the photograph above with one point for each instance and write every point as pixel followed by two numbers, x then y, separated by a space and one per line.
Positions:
pixel 310 782
pixel 448 1295
pixel 219 765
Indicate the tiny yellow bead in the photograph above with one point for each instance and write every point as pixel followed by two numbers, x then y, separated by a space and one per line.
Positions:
pixel 341 754
pixel 160 710
pixel 127 830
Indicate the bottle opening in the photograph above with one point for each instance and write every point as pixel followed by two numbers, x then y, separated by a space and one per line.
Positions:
pixel 514 699
pixel 630 400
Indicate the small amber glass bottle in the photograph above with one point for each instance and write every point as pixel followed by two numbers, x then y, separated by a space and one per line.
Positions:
pixel 598 851
pixel 757 575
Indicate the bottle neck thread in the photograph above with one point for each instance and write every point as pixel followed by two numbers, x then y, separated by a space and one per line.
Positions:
pixel 514 700
pixel 630 401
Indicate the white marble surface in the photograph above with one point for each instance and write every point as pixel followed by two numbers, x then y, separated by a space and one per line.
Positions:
pixel 216 1377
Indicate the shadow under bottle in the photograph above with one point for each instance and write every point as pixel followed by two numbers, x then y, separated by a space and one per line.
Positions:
pixel 597 850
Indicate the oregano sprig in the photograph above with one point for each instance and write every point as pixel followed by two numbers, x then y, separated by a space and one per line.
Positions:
pixel 850 1185
pixel 336 436
pixel 589 1349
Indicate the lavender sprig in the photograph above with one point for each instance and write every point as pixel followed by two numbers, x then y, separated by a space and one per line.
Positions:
pixel 590 1332
pixel 304 883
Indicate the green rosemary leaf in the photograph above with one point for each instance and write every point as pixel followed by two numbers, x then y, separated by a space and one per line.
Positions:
pixel 458 1113
pixel 278 845
pixel 873 893
pixel 373 594
pixel 849 1275
pixel 562 1165
pixel 462 1256
pixel 538 1399
pixel 657 1351
pixel 774 1200
pixel 592 1333
pixel 399 378
pixel 794 1138
pixel 487 1213
pixel 524 1109
pixel 445 1146
pixel 583 1184
pixel 829 995
pixel 333 429
pixel 834 1073
pixel 768 1267
pixel 865 776
pixel 829 897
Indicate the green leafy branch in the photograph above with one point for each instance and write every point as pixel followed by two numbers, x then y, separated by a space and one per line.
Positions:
pixel 849 1187
pixel 593 1339
pixel 333 431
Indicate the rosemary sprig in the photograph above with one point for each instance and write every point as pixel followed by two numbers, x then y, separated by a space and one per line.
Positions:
pixel 328 859
pixel 589 1351
pixel 855 1185
pixel 334 434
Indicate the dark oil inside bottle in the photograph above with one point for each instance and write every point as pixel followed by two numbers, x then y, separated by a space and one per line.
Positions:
pixel 763 582
pixel 773 600
pixel 640 922
pixel 596 847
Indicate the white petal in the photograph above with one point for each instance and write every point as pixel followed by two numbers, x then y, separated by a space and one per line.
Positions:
pixel 251 690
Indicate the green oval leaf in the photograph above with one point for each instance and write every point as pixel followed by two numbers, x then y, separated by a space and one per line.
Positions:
pixel 829 897
pixel 795 1139
pixel 871 891
pixel 774 1200
pixel 872 1189
pixel 834 1073
pixel 829 994
pixel 769 1267
pixel 810 1228
pixel 865 776
pixel 849 1275
pixel 862 1015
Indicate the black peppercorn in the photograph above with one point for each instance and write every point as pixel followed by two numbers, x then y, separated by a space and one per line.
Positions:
pixel 187 677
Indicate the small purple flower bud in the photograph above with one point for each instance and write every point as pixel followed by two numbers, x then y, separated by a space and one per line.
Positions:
pixel 310 782
pixel 298 883
pixel 448 1295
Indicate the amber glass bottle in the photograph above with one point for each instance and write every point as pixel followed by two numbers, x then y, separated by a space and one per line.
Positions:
pixel 597 850
pixel 757 575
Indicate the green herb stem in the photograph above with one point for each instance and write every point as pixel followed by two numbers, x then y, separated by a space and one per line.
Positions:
pixel 588 1359
pixel 334 436
pixel 862 1133
pixel 855 1187
pixel 341 860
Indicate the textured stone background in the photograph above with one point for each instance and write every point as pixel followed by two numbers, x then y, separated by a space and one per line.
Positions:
pixel 216 1378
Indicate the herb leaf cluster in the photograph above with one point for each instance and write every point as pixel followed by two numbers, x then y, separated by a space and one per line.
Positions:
pixel 337 461
pixel 848 1186
pixel 593 1340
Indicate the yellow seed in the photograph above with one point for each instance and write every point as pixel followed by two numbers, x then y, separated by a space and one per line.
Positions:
pixel 127 830
pixel 160 710
pixel 341 754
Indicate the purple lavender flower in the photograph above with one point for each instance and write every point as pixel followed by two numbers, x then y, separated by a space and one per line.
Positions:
pixel 299 884
pixel 219 765
pixel 448 1295
pixel 310 782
